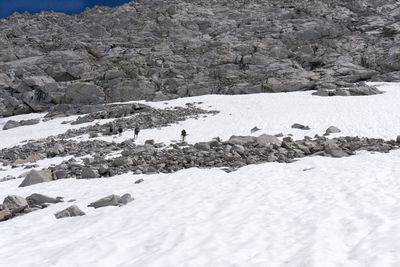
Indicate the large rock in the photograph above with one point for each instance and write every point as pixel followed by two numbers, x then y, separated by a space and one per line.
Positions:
pixel 241 140
pixel 111 200
pixel 15 204
pixel 71 211
pixel 38 199
pixel 11 124
pixel 266 139
pixel 36 177
pixel 332 129
pixel 88 173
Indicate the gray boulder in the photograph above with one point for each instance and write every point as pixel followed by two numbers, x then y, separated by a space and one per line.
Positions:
pixel 71 211
pixel 15 204
pixel 111 200
pixel 202 146
pixel 241 140
pixel 38 199
pixel 57 149
pixel 126 198
pixel 300 126
pixel 266 139
pixel 5 215
pixel 332 129
pixel 332 149
pixel 11 124
pixel 36 177
pixel 88 173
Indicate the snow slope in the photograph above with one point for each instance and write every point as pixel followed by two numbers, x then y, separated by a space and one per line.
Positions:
pixel 314 212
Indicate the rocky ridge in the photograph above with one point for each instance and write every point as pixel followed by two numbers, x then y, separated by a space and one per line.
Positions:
pixel 158 50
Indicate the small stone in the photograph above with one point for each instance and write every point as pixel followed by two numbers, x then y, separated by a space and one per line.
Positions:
pixel 139 181
pixel 254 129
pixel 300 126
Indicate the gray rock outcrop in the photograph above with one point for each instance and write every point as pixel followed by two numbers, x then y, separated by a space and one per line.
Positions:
pixel 158 50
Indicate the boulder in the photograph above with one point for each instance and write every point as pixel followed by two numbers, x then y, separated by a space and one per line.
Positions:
pixel 149 142
pixel 71 211
pixel 126 198
pixel 88 173
pixel 57 149
pixel 139 181
pixel 38 199
pixel 15 204
pixel 202 146
pixel 266 139
pixel 332 149
pixel 332 129
pixel 111 200
pixel 36 177
pixel 11 124
pixel 398 139
pixel 300 126
pixel 5 215
pixel 241 140
pixel 61 174
pixel 254 129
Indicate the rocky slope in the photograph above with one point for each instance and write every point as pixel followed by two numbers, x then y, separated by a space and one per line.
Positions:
pixel 159 50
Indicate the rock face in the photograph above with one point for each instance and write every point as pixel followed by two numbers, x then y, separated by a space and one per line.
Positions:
pixel 158 50
pixel 71 211
pixel 36 177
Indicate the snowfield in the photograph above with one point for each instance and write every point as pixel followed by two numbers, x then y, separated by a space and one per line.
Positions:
pixel 316 211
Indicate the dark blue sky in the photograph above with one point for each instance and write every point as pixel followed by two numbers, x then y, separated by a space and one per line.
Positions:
pixel 7 7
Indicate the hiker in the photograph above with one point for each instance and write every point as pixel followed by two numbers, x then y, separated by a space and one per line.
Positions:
pixel 183 135
pixel 120 130
pixel 137 130
pixel 111 129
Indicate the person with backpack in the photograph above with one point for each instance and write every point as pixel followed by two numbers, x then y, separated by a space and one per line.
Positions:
pixel 137 130
pixel 111 129
pixel 120 130
pixel 183 135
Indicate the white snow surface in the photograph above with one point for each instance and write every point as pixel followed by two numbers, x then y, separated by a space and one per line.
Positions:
pixel 314 212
